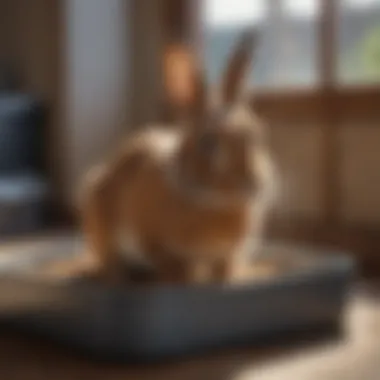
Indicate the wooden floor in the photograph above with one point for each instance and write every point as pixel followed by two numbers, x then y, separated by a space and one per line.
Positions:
pixel 356 357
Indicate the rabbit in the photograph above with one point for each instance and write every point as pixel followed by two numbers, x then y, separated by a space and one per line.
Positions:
pixel 188 201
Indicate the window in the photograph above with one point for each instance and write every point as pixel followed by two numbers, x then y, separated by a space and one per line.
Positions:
pixel 359 41
pixel 286 53
pixel 291 40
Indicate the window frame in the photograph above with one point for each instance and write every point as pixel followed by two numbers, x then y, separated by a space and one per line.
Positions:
pixel 355 100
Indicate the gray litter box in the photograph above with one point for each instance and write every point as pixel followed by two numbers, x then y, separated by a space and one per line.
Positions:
pixel 147 322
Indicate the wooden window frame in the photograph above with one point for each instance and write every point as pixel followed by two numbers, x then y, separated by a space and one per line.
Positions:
pixel 348 101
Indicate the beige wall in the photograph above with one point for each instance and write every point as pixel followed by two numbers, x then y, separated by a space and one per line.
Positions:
pixel 96 67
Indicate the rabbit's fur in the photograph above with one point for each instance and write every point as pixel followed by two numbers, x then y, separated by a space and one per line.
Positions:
pixel 190 198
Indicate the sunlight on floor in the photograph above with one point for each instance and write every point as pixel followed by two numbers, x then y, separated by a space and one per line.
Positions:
pixel 357 357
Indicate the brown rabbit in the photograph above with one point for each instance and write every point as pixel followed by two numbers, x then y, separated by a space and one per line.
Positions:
pixel 187 199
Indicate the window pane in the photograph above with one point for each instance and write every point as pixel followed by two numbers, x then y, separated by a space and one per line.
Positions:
pixel 286 53
pixel 359 41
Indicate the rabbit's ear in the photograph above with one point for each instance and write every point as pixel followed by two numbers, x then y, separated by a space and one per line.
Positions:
pixel 184 81
pixel 237 67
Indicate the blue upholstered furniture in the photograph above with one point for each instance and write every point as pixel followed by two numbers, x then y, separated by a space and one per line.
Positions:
pixel 24 189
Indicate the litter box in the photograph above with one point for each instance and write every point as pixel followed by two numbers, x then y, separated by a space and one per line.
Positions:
pixel 306 291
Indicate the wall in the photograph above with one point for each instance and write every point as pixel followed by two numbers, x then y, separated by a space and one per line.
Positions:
pixel 74 55
pixel 353 183
pixel 96 81
pixel 147 43
pixel 360 172
pixel 297 149
pixel 4 28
